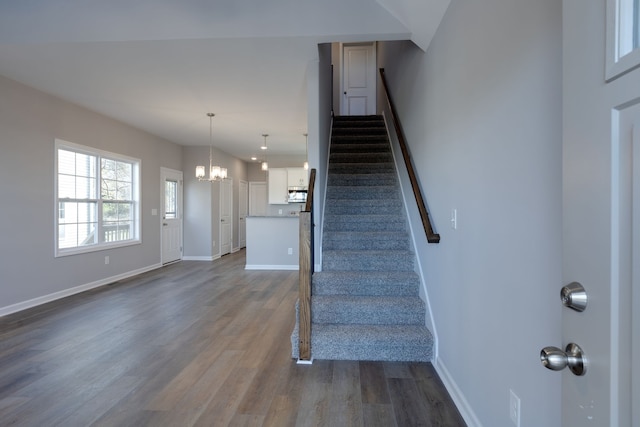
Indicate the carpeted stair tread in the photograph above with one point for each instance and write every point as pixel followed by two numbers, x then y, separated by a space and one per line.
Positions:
pixel 363 209
pixel 373 283
pixel 372 342
pixel 348 205
pixel 361 167
pixel 335 218
pixel 370 260
pixel 367 310
pixel 355 192
pixel 364 226
pixel 358 130
pixel 362 240
pixel 359 143
pixel 362 179
pixel 361 158
pixel 365 122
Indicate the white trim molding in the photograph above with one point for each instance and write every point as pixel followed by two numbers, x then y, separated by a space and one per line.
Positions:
pixel 621 56
pixel 271 267
pixel 14 308
pixel 201 258
pixel 456 394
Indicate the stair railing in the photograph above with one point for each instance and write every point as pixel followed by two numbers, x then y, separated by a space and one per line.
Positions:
pixel 306 269
pixel 432 237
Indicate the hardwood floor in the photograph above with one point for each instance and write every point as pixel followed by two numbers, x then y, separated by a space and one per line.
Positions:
pixel 196 344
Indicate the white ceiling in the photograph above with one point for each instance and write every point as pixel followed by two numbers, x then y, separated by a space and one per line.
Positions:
pixel 161 65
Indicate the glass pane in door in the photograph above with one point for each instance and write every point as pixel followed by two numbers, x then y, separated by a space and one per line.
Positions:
pixel 170 199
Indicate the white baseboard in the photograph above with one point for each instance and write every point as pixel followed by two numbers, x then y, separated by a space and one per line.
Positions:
pixel 270 267
pixel 456 394
pixel 200 258
pixel 14 308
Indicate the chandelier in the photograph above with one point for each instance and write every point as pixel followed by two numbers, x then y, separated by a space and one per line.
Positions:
pixel 216 173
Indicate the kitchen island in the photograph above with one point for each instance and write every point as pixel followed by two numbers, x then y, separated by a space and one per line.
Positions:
pixel 272 242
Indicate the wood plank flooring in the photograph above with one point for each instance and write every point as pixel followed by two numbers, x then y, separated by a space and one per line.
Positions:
pixel 196 344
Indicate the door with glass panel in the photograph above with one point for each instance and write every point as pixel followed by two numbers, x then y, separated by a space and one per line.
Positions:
pixel 171 215
pixel 601 213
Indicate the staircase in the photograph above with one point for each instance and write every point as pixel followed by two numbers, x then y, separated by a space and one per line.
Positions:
pixel 365 302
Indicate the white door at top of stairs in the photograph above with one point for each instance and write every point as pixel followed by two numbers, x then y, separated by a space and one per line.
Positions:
pixel 358 79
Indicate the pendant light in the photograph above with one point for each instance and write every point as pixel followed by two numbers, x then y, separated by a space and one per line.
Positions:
pixel 216 173
pixel 265 164
pixel 305 165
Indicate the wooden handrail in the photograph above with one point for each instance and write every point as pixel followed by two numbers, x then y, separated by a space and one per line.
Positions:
pixel 312 183
pixel 432 237
pixel 306 267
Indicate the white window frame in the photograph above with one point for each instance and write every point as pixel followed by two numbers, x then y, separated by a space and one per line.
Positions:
pixel 621 57
pixel 135 195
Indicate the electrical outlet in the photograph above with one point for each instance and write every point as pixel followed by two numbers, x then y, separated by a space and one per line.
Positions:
pixel 290 251
pixel 514 408
pixel 106 260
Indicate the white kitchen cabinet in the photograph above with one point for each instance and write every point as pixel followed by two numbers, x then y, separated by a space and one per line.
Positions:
pixel 278 186
pixel 297 177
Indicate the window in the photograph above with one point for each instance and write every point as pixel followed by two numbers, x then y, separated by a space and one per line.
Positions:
pixel 97 199
pixel 623 37
pixel 170 199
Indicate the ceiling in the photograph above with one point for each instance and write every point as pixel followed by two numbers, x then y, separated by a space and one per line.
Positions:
pixel 161 65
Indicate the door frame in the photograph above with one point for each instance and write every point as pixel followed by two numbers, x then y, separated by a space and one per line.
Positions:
pixel 164 174
pixel 241 184
pixel 226 181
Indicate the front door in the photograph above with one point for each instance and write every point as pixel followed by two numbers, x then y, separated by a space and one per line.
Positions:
pixel 171 215
pixel 601 223
pixel 359 80
pixel 225 216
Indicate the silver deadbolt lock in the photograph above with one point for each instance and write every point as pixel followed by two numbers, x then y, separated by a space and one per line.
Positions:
pixel 555 359
pixel 574 296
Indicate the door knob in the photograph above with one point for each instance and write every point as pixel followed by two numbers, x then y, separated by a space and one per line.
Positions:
pixel 574 296
pixel 555 359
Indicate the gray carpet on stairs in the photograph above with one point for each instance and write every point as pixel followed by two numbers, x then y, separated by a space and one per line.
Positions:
pixel 365 302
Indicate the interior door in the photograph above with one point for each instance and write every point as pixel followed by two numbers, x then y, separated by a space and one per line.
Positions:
pixel 257 198
pixel 359 80
pixel 226 223
pixel 171 215
pixel 243 203
pixel 600 223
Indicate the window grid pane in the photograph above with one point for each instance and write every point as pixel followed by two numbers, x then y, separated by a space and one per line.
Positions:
pixel 117 221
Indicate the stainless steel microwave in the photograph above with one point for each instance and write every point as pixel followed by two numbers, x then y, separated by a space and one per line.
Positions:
pixel 297 195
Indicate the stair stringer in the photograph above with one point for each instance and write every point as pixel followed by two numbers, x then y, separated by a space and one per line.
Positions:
pixel 417 234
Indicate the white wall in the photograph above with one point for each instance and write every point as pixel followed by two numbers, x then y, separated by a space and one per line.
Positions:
pixel 481 110
pixel 269 241
pixel 29 122
pixel 320 142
